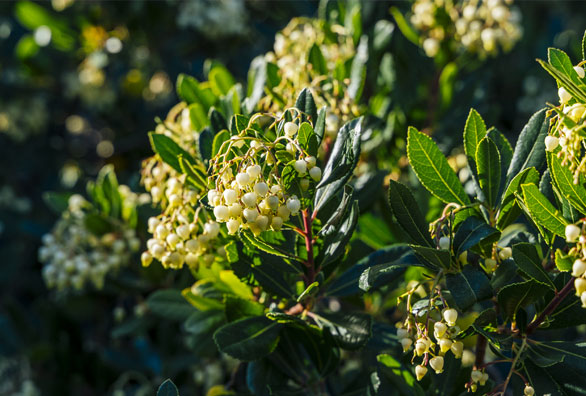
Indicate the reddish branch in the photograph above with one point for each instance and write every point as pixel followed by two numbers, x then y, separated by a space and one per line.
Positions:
pixel 307 222
pixel 553 304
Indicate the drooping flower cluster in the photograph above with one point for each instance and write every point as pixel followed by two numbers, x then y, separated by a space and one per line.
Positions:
pixel 482 27
pixel 575 234
pixel 567 130
pixel 292 57
pixel 84 247
pixel 184 232
pixel 249 175
pixel 416 330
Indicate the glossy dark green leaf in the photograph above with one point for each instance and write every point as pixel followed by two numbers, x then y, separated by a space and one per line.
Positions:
pixel 432 169
pixel 343 159
pixel 515 296
pixel 471 232
pixel 468 287
pixel 257 79
pixel 190 90
pixel 391 269
pixel 542 211
pixel 169 304
pixel 306 104
pixel 528 260
pixel 348 282
pixel 238 308
pixel 509 209
pixel 564 180
pixel 530 148
pixel 433 258
pixel 168 150
pixel 474 132
pixel 408 215
pixel 307 139
pixel 316 59
pixel 248 339
pixel 488 162
pixel 167 388
pixel 350 330
pixel 319 126
pixel 203 322
pixel 336 242
pixel 401 378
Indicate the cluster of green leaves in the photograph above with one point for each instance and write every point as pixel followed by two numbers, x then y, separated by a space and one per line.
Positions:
pixel 108 208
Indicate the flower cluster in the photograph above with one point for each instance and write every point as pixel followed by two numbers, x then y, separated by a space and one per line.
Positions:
pixel 291 55
pixel 575 234
pixel 481 27
pixel 567 128
pixel 183 233
pixel 250 191
pixel 416 331
pixel 75 254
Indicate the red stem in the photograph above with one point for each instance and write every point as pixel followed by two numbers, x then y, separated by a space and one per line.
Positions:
pixel 307 222
pixel 480 351
pixel 553 304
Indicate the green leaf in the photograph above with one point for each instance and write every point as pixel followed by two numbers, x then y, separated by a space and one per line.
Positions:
pixel 272 280
pixel 562 62
pixel 248 339
pixel 205 144
pixel 319 127
pixel 26 47
pixel 191 91
pixel 468 287
pixel 401 378
pixel 307 139
pixel 219 139
pixel 542 211
pixel 474 132
pixel 343 159
pixel 385 266
pixel 432 169
pixel 527 259
pixel 408 215
pixel 435 259
pixel 57 202
pixel 505 151
pixel 518 295
pixel 306 104
pixel 488 160
pixel 238 308
pixel 197 116
pixel 167 388
pixel 576 89
pixel 351 281
pixel 471 232
pixel 198 297
pixel 261 244
pixel 200 323
pixel 97 224
pixel 563 262
pixel 509 209
pixel 309 291
pixel 335 243
pixel 168 150
pixel 404 26
pixel 358 70
pixel 169 304
pixel 217 121
pixel 350 331
pixel 317 60
pixel 530 147
pixel 220 80
pixel 257 79
pixel 564 180
pixel 447 81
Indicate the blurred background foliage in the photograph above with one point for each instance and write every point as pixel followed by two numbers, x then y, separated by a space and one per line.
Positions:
pixel 82 83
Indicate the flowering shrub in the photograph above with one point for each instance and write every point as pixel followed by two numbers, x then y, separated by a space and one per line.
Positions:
pixel 301 238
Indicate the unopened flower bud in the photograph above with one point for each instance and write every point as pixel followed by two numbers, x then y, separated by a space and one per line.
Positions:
pixel 551 143
pixel 290 129
pixel 311 161
pixel 315 173
pixel 572 232
pixel 476 376
pixel 564 95
pixel 233 225
pixel 580 71
pixel 304 184
pixel 242 179
pixel 253 171
pixel 445 344
pixel 249 199
pixel 578 268
pixel 437 364
pixel 250 214
pixel 420 372
pixel 439 329
pixel 528 391
pixel 230 196
pixel 580 285
pixel 221 212
pixel 457 349
pixel 406 343
pixel 505 253
pixel 444 243
pixel 293 205
pixel 277 223
pixel 450 316
pixel 301 167
pixel 261 189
